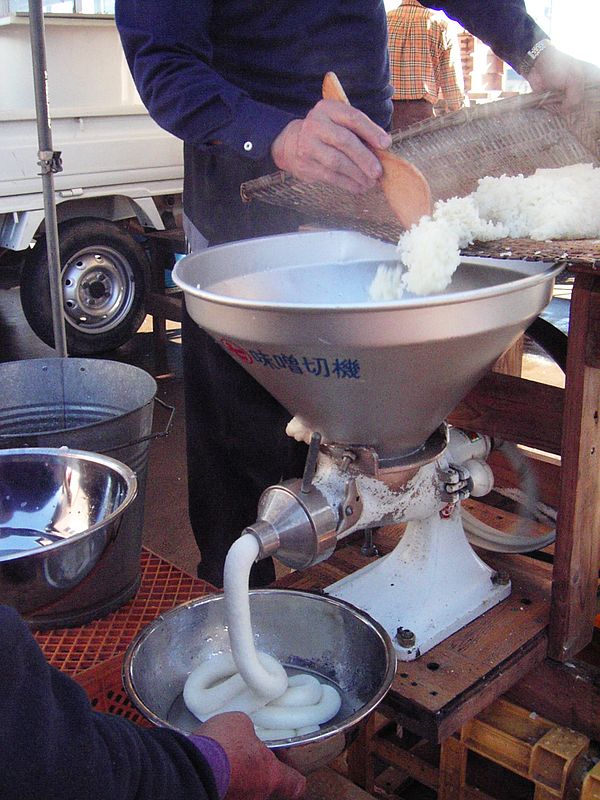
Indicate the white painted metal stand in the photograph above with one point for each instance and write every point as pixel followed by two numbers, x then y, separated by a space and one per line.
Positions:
pixel 431 585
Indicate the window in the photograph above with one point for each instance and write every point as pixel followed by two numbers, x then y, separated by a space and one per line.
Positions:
pixel 63 7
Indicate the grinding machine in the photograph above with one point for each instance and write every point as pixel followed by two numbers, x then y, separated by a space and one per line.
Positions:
pixel 369 385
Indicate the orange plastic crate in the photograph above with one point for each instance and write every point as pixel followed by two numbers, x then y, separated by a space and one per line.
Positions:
pixel 104 687
pixel 93 654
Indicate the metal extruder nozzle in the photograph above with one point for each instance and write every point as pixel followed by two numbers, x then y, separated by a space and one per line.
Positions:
pixel 296 526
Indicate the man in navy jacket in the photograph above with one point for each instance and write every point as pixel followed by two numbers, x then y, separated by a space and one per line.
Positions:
pixel 240 82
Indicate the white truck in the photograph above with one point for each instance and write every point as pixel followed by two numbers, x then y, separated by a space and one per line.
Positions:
pixel 121 179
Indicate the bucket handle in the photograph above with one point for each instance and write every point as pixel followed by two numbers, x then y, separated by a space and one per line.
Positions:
pixel 150 436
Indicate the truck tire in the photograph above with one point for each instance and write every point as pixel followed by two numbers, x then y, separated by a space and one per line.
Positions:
pixel 105 276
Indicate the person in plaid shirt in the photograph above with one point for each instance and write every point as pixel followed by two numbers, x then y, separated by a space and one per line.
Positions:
pixel 424 63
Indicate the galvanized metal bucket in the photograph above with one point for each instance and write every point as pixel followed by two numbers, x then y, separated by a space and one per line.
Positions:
pixel 99 406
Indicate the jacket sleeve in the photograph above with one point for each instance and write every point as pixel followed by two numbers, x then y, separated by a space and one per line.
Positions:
pixel 504 25
pixel 55 746
pixel 169 52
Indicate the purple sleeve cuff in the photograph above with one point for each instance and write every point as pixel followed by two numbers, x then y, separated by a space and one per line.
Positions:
pixel 217 761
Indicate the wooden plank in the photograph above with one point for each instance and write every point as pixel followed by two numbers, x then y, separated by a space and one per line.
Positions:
pixel 453 770
pixel 577 547
pixel 173 239
pixel 326 784
pixel 497 681
pixel 590 789
pixel 514 409
pixel 360 764
pixel 511 361
pixel 545 468
pixel 167 306
pixel 592 344
pixel 408 761
pixel 568 694
pixel 471 699
pixel 475 793
pixel 526 744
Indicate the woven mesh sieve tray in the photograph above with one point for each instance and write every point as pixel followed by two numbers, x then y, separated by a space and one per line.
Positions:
pixel 516 135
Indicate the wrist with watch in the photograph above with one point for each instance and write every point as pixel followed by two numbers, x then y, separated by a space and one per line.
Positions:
pixel 530 57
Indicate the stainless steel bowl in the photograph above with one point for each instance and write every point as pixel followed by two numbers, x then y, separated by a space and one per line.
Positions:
pixel 326 637
pixel 60 510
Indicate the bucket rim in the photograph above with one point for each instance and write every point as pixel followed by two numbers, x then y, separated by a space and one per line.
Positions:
pixel 35 363
pixel 77 360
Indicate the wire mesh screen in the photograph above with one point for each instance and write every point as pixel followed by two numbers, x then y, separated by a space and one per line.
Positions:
pixel 513 136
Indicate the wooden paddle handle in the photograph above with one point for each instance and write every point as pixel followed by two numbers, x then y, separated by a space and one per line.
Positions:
pixel 405 188
pixel 333 89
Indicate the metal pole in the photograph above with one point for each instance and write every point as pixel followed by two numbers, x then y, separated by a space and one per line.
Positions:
pixel 49 162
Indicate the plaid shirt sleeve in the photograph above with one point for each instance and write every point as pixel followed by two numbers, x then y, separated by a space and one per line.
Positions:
pixel 448 72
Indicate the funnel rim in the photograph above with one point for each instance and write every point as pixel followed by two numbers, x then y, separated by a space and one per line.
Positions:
pixel 544 271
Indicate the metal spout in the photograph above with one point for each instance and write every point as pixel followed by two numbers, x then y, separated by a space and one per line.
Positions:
pixel 295 525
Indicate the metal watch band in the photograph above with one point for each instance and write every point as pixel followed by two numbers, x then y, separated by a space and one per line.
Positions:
pixel 531 55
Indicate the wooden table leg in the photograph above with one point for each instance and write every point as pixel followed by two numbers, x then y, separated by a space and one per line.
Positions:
pixel 577 549
pixel 453 770
pixel 360 758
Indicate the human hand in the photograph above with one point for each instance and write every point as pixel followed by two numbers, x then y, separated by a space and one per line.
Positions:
pixel 331 144
pixel 256 773
pixel 554 69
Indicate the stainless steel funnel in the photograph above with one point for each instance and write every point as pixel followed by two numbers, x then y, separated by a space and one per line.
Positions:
pixel 294 311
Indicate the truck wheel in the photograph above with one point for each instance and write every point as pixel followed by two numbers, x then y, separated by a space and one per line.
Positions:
pixel 105 274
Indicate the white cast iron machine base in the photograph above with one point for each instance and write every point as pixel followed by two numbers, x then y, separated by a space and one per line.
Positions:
pixel 431 585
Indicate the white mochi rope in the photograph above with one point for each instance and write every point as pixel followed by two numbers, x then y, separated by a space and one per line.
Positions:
pixel 300 716
pixel 270 682
pixel 254 682
pixel 303 690
pixel 215 686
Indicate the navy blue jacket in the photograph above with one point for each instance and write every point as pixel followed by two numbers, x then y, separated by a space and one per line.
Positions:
pixel 55 747
pixel 235 72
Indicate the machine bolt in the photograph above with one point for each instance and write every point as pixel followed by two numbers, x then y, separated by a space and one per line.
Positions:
pixel 348 457
pixel 501 578
pixel 368 548
pixel 405 637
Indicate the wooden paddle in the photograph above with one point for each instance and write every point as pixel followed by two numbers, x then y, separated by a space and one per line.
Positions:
pixel 404 186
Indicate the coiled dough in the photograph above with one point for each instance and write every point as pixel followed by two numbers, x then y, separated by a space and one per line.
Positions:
pixel 251 681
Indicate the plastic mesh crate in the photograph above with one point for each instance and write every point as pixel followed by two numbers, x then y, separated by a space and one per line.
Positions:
pixel 104 687
pixel 163 586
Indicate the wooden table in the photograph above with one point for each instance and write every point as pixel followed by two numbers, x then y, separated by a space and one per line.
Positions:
pixel 564 422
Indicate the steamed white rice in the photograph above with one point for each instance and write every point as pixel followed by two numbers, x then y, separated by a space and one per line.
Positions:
pixel 550 204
